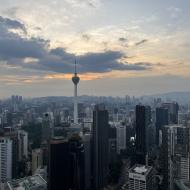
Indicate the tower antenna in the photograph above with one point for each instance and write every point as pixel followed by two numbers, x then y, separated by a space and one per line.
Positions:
pixel 75 66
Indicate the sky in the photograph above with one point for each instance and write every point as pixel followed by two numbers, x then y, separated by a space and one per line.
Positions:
pixel 122 47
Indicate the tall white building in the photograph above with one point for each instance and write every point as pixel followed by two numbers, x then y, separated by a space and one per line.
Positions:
pixel 141 178
pixel 121 137
pixel 5 159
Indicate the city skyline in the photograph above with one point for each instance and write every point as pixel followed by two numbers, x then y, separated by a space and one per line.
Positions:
pixel 122 47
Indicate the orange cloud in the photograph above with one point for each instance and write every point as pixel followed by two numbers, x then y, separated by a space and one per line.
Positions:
pixel 87 76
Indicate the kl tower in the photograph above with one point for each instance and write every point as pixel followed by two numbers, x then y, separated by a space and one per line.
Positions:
pixel 75 80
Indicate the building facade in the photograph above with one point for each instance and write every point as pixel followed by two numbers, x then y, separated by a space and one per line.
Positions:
pixel 121 137
pixel 66 164
pixel 175 154
pixel 100 132
pixel 5 159
pixel 143 120
pixel 173 109
pixel 37 160
pixel 162 119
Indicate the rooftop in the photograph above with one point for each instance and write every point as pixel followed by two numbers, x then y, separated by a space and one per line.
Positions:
pixel 35 182
pixel 176 126
pixel 140 169
pixel 58 140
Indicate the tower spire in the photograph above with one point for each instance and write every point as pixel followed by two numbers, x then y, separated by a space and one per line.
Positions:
pixel 75 66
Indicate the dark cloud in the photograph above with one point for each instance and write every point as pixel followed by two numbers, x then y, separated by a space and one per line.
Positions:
pixel 86 37
pixel 150 64
pixel 106 62
pixel 141 42
pixel 58 60
pixel 13 46
pixel 122 39
pixel 38 28
pixel 91 4
pixel 11 24
pixel 21 48
pixel 144 64
pixel 14 50
pixel 159 64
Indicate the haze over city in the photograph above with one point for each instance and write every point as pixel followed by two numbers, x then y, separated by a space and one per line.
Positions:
pixel 122 47
pixel 94 95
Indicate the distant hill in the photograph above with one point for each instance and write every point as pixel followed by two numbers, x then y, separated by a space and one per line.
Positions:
pixel 181 97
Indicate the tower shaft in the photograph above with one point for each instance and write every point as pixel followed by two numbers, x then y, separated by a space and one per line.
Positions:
pixel 75 105
pixel 75 80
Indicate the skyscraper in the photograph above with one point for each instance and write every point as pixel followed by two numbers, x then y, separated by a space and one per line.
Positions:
pixel 161 120
pixel 121 137
pixel 47 127
pixel 22 144
pixel 175 163
pixel 112 144
pixel 13 136
pixel 143 119
pixel 75 80
pixel 5 159
pixel 172 112
pixel 100 147
pixel 88 159
pixel 66 164
pixel 37 160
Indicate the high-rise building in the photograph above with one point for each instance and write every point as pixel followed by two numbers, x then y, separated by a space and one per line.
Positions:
pixel 16 101
pixel 121 137
pixel 100 147
pixel 112 144
pixel 19 139
pixel 13 136
pixel 37 160
pixel 66 164
pixel 5 159
pixel 173 109
pixel 22 144
pixel 141 178
pixel 75 80
pixel 161 120
pixel 143 120
pixel 175 163
pixel 47 127
pixel 88 159
pixel 183 118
